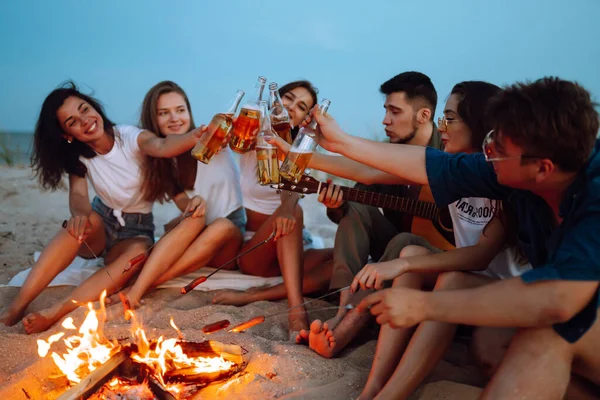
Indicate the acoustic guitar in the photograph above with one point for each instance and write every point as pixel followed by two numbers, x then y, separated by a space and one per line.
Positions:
pixel 428 221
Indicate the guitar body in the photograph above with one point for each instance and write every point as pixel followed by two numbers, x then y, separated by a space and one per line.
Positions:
pixel 438 232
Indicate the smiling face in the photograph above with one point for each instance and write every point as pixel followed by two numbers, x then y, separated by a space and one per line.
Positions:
pixel 172 114
pixel 79 120
pixel 298 103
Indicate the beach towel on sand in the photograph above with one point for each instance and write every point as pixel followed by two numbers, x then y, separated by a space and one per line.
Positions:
pixel 81 269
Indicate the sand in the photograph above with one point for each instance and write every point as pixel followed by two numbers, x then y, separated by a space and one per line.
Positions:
pixel 276 368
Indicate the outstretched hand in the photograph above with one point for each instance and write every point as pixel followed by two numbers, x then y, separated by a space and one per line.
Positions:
pixel 398 307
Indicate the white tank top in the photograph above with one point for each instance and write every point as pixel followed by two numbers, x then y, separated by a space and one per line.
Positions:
pixel 258 198
pixel 218 182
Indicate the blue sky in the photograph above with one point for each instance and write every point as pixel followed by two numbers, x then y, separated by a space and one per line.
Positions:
pixel 119 49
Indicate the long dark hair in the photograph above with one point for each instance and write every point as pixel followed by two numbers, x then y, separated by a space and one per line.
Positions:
pixel 52 155
pixel 475 99
pixel 472 108
pixel 303 84
pixel 164 178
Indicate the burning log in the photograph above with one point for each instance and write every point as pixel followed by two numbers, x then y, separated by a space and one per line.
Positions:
pixel 96 378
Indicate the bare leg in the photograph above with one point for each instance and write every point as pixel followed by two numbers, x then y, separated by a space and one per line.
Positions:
pixel 538 365
pixel 91 289
pixel 55 257
pixel 316 276
pixel 166 252
pixel 428 344
pixel 285 255
pixel 217 244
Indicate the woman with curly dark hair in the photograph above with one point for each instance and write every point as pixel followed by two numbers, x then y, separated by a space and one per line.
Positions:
pixel 73 136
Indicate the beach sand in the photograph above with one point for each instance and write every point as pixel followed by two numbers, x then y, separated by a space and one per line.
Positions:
pixel 29 218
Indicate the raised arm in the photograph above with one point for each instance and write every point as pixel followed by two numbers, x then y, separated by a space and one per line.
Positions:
pixel 170 146
pixel 344 167
pixel 404 161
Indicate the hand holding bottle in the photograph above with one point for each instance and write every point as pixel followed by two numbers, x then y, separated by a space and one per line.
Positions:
pixel 329 135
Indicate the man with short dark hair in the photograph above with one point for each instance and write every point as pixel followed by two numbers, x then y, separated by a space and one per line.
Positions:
pixel 410 101
pixel 544 159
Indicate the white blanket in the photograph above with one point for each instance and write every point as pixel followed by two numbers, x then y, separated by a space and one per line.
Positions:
pixel 81 269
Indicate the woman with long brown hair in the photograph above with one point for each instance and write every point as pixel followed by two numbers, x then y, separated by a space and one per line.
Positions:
pixel 166 110
pixel 268 211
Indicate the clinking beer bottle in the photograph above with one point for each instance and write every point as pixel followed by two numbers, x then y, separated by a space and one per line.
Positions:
pixel 280 119
pixel 266 154
pixel 302 149
pixel 247 124
pixel 218 129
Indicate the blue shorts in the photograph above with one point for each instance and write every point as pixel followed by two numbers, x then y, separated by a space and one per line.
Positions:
pixel 137 225
pixel 239 219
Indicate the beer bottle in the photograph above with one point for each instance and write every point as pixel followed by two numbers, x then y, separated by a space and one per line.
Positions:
pixel 247 123
pixel 280 119
pixel 302 149
pixel 266 153
pixel 217 132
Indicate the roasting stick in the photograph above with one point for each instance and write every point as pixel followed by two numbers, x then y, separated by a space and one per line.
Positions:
pixel 190 286
pixel 261 318
pixel 64 225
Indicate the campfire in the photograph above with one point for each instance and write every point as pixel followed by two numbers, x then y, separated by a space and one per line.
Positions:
pixel 98 368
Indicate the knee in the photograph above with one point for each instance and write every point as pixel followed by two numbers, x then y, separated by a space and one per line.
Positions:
pixel 450 280
pixel 412 250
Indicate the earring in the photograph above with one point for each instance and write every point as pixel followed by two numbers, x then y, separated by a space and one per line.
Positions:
pixel 70 140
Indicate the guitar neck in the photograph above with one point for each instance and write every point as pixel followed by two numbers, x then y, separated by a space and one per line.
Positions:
pixel 423 209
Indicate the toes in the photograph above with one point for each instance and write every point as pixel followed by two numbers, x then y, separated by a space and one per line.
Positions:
pixel 302 336
pixel 316 326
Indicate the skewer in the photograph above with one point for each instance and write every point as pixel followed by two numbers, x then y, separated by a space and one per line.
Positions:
pixel 64 226
pixel 190 286
pixel 261 318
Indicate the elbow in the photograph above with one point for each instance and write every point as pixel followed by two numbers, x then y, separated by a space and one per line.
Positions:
pixel 556 309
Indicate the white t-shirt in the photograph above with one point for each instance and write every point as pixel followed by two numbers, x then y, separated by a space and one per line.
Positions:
pixel 469 217
pixel 117 175
pixel 262 199
pixel 218 182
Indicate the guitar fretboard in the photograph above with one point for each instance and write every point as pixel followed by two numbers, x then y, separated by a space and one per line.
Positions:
pixel 423 209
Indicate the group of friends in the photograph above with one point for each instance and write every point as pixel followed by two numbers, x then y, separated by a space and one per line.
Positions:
pixel 515 169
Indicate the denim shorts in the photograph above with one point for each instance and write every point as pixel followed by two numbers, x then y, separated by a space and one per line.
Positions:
pixel 137 225
pixel 239 219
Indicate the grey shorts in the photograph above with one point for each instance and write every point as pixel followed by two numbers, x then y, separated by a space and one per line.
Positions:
pixel 137 225
pixel 239 219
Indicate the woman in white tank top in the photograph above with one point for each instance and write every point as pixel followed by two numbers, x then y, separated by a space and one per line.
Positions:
pixel 481 228
pixel 268 211
pixel 216 238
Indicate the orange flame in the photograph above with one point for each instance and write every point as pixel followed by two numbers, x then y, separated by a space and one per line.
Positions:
pixel 90 349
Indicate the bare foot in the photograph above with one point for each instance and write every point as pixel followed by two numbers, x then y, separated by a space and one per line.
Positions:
pixel 10 318
pixel 297 322
pixel 321 339
pixel 39 321
pixel 233 297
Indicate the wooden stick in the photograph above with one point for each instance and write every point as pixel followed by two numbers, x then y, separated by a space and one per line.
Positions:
pixel 94 378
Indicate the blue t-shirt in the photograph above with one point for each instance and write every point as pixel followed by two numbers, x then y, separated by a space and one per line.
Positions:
pixel 569 251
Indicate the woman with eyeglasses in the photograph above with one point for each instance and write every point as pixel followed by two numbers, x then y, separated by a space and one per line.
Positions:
pixel 484 253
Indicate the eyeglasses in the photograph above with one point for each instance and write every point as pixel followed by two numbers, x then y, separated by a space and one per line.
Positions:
pixel 488 151
pixel 443 123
